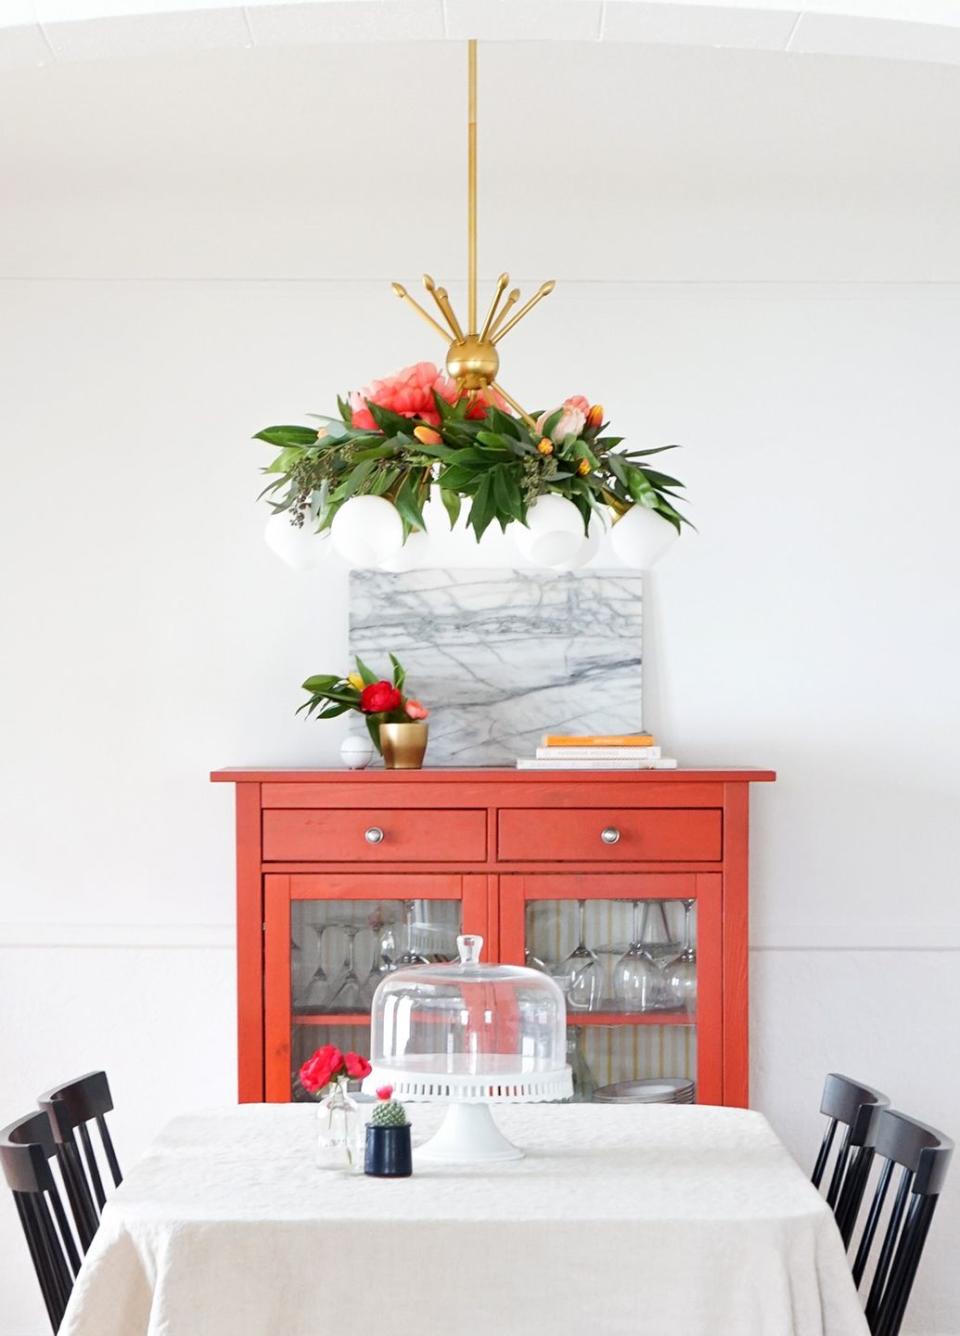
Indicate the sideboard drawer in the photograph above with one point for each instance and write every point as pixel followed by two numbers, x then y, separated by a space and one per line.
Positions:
pixel 631 834
pixel 374 835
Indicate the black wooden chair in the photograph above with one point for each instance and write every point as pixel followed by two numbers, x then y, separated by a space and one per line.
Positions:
pixel 70 1109
pixel 855 1106
pixel 923 1155
pixel 27 1148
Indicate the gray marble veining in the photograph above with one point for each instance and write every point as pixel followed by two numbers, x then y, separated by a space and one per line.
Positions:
pixel 501 657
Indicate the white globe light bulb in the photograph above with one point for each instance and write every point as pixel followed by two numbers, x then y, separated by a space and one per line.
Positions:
pixel 367 531
pixel 641 537
pixel 588 548
pixel 416 552
pixel 553 534
pixel 300 548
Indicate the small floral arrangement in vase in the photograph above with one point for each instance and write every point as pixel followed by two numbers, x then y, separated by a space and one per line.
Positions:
pixel 338 1115
pixel 395 721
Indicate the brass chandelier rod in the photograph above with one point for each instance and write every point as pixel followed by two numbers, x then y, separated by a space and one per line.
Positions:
pixel 472 186
pixel 472 357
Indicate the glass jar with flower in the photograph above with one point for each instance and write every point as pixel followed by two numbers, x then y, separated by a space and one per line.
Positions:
pixel 339 1125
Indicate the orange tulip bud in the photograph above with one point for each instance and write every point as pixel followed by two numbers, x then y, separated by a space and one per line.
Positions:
pixel 545 447
pixel 595 416
pixel 427 436
pixel 583 467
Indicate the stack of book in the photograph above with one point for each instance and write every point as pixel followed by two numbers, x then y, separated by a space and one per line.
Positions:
pixel 622 751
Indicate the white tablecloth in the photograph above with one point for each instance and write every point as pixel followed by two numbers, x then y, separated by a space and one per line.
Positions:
pixel 665 1220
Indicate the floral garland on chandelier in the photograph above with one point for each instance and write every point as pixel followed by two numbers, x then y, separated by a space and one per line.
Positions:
pixel 403 436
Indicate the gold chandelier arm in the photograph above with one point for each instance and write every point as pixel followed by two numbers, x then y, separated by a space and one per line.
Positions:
pixel 513 296
pixel 439 295
pixel 502 282
pixel 404 295
pixel 472 186
pixel 494 385
pixel 443 301
pixel 543 291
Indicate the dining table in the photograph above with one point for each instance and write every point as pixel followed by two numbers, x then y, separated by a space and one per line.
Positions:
pixel 620 1220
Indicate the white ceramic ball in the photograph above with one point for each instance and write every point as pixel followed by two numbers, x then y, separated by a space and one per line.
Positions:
pixel 553 534
pixel 357 752
pixel 641 537
pixel 302 549
pixel 367 531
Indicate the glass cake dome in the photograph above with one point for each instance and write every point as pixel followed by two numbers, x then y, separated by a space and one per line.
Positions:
pixel 470 1034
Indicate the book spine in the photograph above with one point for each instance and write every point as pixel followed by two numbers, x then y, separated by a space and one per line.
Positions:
pixel 598 753
pixel 534 763
pixel 612 740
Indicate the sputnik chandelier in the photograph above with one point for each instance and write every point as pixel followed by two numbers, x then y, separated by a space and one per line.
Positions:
pixel 418 466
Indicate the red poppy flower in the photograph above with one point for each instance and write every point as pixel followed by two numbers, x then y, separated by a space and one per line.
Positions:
pixel 357 1067
pixel 320 1068
pixel 379 698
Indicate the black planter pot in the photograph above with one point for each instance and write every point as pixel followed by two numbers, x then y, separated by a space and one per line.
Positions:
pixel 388 1152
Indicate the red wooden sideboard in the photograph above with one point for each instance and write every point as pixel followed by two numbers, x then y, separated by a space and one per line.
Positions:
pixel 339 872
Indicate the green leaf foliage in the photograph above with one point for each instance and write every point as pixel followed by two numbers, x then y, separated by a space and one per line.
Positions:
pixel 491 461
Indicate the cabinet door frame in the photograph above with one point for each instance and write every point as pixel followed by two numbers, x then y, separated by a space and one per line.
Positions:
pixel 706 888
pixel 281 890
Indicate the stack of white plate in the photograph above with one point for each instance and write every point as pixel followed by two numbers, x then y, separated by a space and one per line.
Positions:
pixel 656 1090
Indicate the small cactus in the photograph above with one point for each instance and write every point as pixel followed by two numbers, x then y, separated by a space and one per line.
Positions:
pixel 388 1113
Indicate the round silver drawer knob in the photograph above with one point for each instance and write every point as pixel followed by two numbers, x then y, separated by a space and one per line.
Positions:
pixel 610 835
pixel 373 835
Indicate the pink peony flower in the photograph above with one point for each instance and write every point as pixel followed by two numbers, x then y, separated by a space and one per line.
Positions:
pixel 570 423
pixel 414 710
pixel 409 392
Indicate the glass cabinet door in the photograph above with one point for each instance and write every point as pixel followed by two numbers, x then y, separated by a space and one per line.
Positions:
pixel 638 957
pixel 329 941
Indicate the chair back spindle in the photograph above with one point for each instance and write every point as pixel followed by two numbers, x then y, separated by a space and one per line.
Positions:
pixel 27 1152
pixel 922 1155
pixel 852 1105
pixel 71 1109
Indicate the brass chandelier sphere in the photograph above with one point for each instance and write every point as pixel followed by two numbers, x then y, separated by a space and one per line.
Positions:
pixel 473 362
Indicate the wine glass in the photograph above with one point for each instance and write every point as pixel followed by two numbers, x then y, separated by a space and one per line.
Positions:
pixel 349 996
pixel 580 975
pixel 584 1083
pixel 409 956
pixel 383 962
pixel 318 988
pixel 681 977
pixel 637 981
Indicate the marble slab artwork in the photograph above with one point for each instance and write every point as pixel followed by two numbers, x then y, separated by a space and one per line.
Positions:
pixel 501 657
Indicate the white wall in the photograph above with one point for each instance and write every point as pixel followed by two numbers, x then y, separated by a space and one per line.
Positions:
pixel 149 635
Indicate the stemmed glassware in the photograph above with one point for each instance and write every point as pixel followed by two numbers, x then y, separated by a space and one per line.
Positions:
pixel 681 977
pixel 580 975
pixel 383 962
pixel 350 995
pixel 638 982
pixel 318 989
pixel 409 956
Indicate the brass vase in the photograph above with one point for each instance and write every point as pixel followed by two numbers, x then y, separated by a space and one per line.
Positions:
pixel 403 745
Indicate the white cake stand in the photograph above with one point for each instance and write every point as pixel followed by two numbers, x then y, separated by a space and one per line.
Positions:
pixel 468 1134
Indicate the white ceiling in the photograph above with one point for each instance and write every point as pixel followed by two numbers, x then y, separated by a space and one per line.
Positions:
pixel 39 31
pixel 599 161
